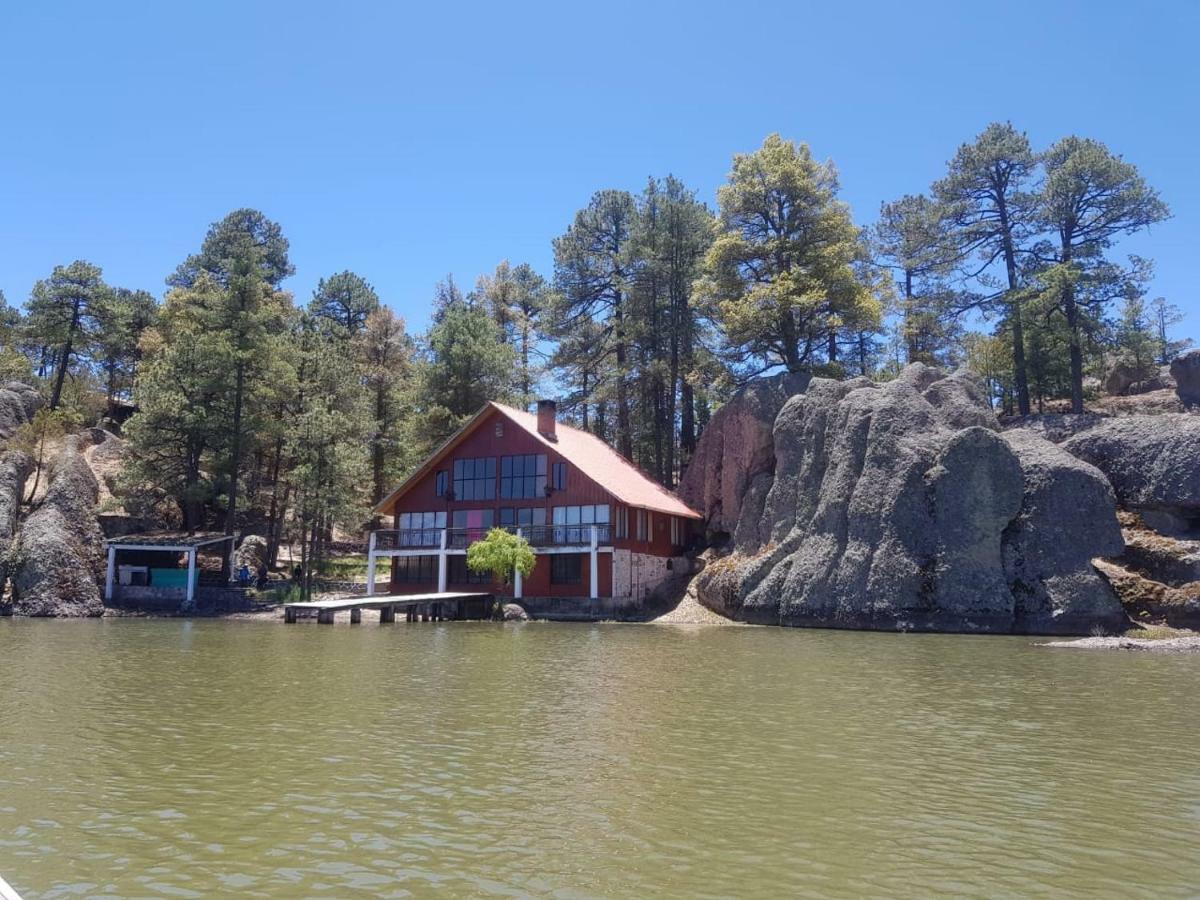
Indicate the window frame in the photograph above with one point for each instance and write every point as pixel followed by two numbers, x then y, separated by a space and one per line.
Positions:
pixel 558 560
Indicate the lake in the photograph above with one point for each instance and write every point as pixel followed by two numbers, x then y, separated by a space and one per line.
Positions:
pixel 188 759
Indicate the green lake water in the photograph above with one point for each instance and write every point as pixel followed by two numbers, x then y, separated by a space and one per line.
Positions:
pixel 198 759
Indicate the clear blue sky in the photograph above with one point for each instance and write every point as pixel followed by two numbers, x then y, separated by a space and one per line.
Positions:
pixel 406 141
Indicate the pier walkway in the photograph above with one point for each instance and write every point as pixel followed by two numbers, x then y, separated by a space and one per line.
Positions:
pixel 416 607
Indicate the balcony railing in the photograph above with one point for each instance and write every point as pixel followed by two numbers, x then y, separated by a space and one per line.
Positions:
pixel 461 538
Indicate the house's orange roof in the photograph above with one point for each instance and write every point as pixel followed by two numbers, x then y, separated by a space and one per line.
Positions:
pixel 584 450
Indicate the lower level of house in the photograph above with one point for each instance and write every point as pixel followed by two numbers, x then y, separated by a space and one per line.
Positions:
pixel 601 573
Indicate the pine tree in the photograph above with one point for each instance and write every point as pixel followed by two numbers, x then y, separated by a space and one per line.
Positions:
pixel 782 273
pixel 988 196
pixel 64 316
pixel 344 301
pixel 1090 196
pixel 593 270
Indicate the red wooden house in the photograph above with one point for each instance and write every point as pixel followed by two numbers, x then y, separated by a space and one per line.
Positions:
pixel 600 529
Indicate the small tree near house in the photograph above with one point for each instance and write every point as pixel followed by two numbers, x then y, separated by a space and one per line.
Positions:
pixel 501 553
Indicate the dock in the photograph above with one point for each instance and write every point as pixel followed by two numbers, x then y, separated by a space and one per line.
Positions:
pixel 416 607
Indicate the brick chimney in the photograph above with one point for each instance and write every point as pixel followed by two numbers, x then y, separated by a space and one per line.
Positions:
pixel 547 413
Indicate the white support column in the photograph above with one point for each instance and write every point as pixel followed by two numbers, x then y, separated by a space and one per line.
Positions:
pixel 371 566
pixel 108 577
pixel 442 564
pixel 518 586
pixel 191 576
pixel 595 564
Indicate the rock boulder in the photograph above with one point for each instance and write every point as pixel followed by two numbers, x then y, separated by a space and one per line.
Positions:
pixel 513 612
pixel 57 559
pixel 1153 464
pixel 740 448
pixel 1186 372
pixel 251 552
pixel 900 506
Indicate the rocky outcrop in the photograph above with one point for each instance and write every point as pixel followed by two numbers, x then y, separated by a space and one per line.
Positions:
pixel 251 552
pixel 18 403
pixel 15 468
pixel 739 449
pixel 1186 372
pixel 900 506
pixel 57 559
pixel 1153 463
pixel 1123 379
pixel 1067 519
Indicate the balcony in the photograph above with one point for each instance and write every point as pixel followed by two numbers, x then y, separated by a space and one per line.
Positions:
pixel 538 536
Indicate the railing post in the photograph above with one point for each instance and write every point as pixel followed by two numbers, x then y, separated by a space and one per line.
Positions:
pixel 518 586
pixel 108 578
pixel 371 566
pixel 595 567
pixel 191 577
pixel 442 563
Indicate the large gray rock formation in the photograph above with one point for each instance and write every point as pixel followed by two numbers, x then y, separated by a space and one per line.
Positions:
pixel 15 468
pixel 18 403
pixel 901 506
pixel 1186 372
pixel 1153 463
pixel 1067 519
pixel 57 559
pixel 739 449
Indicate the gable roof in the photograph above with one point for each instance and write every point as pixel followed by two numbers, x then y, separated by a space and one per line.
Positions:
pixel 594 458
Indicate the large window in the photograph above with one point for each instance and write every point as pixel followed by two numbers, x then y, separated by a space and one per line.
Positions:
pixel 474 518
pixel 420 529
pixel 524 515
pixel 416 569
pixel 523 477
pixel 458 572
pixel 475 479
pixel 581 515
pixel 566 568
pixel 573 524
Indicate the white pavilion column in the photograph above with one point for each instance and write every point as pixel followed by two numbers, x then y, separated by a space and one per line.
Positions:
pixel 518 581
pixel 442 563
pixel 108 576
pixel 371 566
pixel 191 576
pixel 595 564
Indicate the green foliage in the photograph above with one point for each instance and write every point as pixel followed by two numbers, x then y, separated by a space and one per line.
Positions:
pixel 241 234
pixel 501 553
pixel 39 435
pixel 64 316
pixel 124 318
pixel 1089 196
pixel 1164 317
pixel 783 272
pixel 468 362
pixel 385 356
pixel 914 238
pixel 518 299
pixel 344 301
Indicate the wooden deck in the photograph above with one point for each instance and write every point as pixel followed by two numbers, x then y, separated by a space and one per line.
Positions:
pixel 417 607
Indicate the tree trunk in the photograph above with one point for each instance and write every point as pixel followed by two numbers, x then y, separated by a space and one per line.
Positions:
pixel 235 456
pixel 1020 375
pixel 624 432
